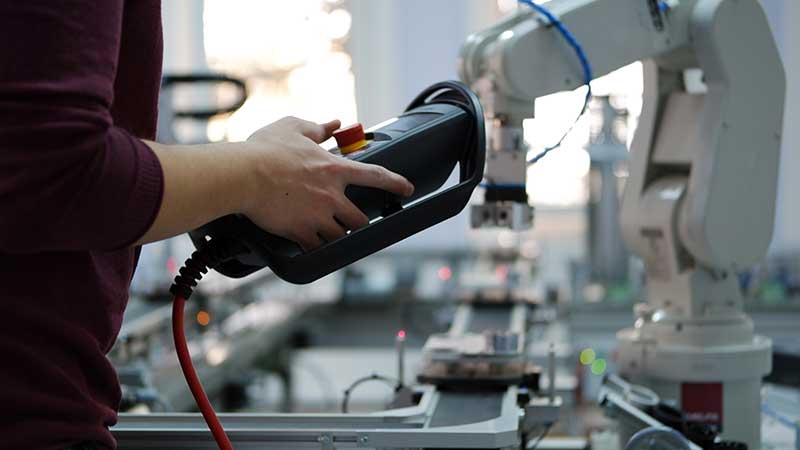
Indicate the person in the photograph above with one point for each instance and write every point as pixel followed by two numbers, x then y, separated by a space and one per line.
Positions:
pixel 82 186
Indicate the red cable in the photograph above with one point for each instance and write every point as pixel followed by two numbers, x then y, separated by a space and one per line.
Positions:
pixel 199 394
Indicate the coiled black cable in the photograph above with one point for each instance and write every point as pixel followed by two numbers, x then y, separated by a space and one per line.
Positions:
pixel 208 257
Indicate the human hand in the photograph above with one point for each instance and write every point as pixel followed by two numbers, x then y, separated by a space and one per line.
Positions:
pixel 298 187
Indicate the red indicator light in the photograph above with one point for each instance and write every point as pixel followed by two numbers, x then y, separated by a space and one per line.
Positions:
pixel 172 265
pixel 502 272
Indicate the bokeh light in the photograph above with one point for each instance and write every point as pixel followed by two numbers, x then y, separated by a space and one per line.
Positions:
pixel 501 272
pixel 337 24
pixel 506 239
pixel 203 318
pixel 599 366
pixel 587 356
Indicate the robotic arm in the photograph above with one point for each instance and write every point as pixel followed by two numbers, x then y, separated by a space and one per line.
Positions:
pixel 523 58
pixel 699 202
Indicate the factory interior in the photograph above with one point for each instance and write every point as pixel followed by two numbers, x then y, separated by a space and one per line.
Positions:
pixel 605 267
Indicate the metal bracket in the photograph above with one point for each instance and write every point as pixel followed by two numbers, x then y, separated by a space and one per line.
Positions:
pixel 541 411
pixel 326 441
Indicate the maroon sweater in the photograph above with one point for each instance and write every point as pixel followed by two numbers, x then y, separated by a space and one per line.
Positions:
pixel 79 83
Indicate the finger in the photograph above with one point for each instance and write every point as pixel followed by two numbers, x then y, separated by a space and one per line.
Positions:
pixel 318 133
pixel 308 241
pixel 371 175
pixel 350 216
pixel 330 230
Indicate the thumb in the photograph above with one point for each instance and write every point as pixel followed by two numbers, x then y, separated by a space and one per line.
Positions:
pixel 329 128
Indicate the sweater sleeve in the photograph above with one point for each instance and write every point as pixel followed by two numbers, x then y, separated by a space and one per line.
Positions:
pixel 70 180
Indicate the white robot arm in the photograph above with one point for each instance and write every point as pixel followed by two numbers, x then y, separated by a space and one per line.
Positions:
pixel 699 202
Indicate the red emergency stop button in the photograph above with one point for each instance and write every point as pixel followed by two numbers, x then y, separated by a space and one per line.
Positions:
pixel 350 139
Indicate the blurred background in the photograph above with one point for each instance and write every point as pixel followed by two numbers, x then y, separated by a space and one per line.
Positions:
pixel 270 346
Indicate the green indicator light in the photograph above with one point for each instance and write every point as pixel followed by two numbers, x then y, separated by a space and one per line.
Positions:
pixel 587 356
pixel 599 366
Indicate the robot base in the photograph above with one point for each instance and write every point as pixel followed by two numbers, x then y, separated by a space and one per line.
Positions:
pixel 711 369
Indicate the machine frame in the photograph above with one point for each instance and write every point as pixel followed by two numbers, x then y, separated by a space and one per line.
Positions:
pixel 482 417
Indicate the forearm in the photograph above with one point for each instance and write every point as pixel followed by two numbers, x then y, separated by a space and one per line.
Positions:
pixel 201 183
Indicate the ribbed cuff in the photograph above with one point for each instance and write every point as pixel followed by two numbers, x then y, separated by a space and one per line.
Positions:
pixel 146 194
